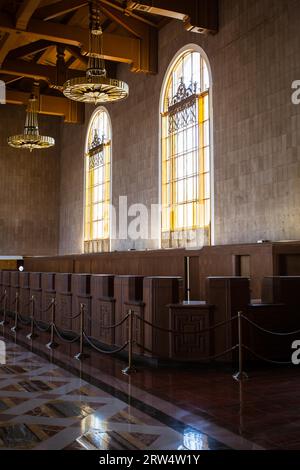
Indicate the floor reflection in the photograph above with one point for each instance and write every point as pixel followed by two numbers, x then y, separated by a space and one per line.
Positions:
pixel 42 406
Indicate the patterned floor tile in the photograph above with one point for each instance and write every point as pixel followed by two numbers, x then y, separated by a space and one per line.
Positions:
pixel 23 436
pixel 43 406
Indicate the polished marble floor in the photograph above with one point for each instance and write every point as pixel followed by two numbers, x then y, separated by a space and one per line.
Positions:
pixel 51 401
pixel 43 406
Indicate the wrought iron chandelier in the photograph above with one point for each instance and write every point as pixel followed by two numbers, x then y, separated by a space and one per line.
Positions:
pixel 31 138
pixel 95 87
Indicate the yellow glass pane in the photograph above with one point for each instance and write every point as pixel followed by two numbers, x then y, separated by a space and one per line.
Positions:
pixel 185 146
pixel 98 182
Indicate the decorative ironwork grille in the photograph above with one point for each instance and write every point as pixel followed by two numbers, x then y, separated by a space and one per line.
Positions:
pixel 186 146
pixel 183 108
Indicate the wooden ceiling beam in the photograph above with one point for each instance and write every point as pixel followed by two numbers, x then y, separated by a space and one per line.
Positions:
pixel 9 79
pixel 116 48
pixel 58 9
pixel 38 56
pixel 36 71
pixel 130 24
pixel 70 61
pixel 146 34
pixel 30 48
pixel 72 111
pixel 199 16
pixel 23 15
pixel 128 12
pixel 77 54
pixel 79 16
pixel 6 44
pixel 25 12
pixel 49 31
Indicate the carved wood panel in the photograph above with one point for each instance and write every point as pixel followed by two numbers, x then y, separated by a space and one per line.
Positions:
pixel 190 346
pixel 103 315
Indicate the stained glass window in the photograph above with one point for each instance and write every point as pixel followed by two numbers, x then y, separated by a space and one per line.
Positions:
pixel 97 183
pixel 186 148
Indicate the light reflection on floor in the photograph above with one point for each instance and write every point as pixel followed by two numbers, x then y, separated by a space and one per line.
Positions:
pixel 42 406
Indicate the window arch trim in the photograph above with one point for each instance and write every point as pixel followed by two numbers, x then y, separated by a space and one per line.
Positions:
pixel 94 244
pixel 192 48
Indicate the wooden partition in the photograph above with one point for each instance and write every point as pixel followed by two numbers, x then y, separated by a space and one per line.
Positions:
pixel 191 317
pixel 157 299
pixel 81 290
pixel 255 261
pixel 136 263
pixel 158 293
pixel 35 282
pixel 48 293
pixel 63 289
pixel 7 288
pixel 228 295
pixel 126 289
pixel 24 280
pixel 14 288
pixel 276 318
pixel 103 308
pixel 282 290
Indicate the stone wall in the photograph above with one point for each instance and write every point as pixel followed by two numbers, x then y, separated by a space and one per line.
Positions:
pixel 256 162
pixel 29 188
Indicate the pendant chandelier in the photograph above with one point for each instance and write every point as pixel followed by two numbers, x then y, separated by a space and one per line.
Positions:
pixel 95 87
pixel 31 138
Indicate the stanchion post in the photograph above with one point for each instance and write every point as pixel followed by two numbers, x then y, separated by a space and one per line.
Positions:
pixel 52 344
pixel 32 334
pixel 130 368
pixel 15 327
pixel 4 308
pixel 81 354
pixel 187 279
pixel 240 375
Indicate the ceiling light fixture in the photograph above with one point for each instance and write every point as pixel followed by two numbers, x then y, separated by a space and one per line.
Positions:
pixel 95 87
pixel 31 138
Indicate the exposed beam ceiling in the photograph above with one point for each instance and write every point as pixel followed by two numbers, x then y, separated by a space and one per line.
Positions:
pixel 147 35
pixel 52 105
pixel 77 54
pixel 199 16
pixel 23 15
pixel 35 34
pixel 57 9
pixel 25 12
pixel 36 71
pixel 30 48
pixel 116 48
pixel 6 44
pixel 127 12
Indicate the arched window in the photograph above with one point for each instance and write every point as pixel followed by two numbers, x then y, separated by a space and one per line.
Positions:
pixel 97 183
pixel 186 152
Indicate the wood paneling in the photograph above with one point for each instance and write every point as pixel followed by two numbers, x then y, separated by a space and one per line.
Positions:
pixel 35 283
pixel 229 296
pixel 63 301
pixel 48 293
pixel 103 308
pixel 126 289
pixel 81 290
pixel 191 318
pixel 210 261
pixel 24 280
pixel 158 293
